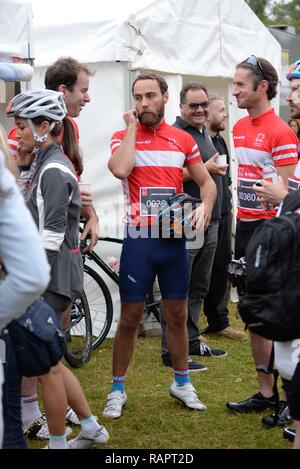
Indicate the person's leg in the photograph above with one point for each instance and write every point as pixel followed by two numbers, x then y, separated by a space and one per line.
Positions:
pixel 176 332
pixel 131 315
pixel 13 432
pixel 177 340
pixel 297 435
pixel 215 302
pixel 54 400
pixel 1 387
pixel 199 283
pixel 260 347
pixel 30 403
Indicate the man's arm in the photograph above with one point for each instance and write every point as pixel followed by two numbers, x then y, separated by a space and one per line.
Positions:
pixel 212 167
pixel 201 176
pixel 275 192
pixel 91 228
pixel 121 162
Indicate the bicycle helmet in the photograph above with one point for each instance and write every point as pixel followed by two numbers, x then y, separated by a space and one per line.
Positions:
pixel 38 103
pixel 294 71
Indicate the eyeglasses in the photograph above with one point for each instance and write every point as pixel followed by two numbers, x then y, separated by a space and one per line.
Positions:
pixel 253 60
pixel 194 106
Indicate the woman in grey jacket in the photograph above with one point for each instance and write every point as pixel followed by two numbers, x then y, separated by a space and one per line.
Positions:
pixel 54 201
pixel 23 265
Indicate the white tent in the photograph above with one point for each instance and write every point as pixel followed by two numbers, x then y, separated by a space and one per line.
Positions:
pixel 182 39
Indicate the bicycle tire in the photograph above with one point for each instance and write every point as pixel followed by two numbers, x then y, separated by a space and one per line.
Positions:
pixel 100 305
pixel 152 303
pixel 78 344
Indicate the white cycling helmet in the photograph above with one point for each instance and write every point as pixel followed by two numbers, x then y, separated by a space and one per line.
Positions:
pixel 38 103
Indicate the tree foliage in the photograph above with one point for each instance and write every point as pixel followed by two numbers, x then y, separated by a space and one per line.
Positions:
pixel 277 12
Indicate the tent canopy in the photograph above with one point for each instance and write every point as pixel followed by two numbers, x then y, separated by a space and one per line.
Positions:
pixel 15 29
pixel 191 37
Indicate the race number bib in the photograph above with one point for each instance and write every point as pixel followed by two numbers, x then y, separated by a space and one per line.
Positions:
pixel 293 184
pixel 246 195
pixel 152 199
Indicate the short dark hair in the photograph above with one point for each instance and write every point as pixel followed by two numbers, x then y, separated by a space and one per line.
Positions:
pixel 191 85
pixel 64 71
pixel 269 74
pixel 163 86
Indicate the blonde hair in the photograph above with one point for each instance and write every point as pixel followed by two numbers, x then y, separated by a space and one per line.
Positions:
pixel 8 158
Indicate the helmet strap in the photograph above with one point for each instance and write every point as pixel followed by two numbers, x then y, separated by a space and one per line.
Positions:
pixel 40 138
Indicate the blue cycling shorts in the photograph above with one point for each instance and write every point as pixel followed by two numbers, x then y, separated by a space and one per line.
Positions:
pixel 143 259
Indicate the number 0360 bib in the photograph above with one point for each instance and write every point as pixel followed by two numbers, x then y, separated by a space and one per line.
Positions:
pixel 154 198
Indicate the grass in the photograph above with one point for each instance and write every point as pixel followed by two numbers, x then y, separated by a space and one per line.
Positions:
pixel 152 419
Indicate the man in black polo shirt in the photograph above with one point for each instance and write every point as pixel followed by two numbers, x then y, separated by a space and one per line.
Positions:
pixel 194 111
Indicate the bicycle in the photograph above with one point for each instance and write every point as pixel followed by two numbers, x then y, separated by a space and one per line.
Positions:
pixel 99 301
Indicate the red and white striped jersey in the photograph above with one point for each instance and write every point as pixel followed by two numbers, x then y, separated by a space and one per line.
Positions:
pixel 265 137
pixel 160 155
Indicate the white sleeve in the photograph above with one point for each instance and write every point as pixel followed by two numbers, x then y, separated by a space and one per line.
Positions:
pixel 21 252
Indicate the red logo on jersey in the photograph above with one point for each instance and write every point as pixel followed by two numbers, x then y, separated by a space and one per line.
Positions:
pixel 144 191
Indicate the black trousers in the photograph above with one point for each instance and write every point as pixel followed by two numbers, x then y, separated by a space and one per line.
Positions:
pixel 215 303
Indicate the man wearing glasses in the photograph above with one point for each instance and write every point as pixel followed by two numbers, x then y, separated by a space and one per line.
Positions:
pixel 194 105
pixel 258 137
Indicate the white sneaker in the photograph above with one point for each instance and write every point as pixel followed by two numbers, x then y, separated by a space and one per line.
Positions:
pixel 71 417
pixel 115 401
pixel 187 395
pixel 83 442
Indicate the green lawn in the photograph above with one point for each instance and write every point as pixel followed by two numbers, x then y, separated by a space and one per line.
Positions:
pixel 152 419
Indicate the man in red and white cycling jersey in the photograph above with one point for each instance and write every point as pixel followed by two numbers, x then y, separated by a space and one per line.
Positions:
pixel 287 353
pixel 149 157
pixel 258 137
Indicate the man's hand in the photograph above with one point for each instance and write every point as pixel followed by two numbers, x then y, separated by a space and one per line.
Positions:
pixel 86 197
pixel 214 168
pixel 130 117
pixel 201 217
pixel 91 229
pixel 271 192
pixel 24 158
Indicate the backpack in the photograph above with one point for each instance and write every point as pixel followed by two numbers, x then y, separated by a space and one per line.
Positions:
pixel 271 304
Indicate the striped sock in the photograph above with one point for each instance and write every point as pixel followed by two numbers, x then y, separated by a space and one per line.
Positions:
pixel 118 384
pixel 181 377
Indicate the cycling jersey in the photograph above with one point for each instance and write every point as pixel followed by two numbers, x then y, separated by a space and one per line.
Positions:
pixel 265 137
pixel 157 174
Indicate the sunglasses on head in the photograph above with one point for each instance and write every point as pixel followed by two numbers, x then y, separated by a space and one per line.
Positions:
pixel 253 60
pixel 194 106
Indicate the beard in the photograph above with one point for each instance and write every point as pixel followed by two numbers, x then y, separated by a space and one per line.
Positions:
pixel 150 118
pixel 217 126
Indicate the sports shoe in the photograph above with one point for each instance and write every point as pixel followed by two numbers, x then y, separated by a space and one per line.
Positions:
pixel 255 403
pixel 187 395
pixel 82 441
pixel 231 333
pixel 289 433
pixel 193 366
pixel 282 419
pixel 115 401
pixel 203 350
pixel 71 417
pixel 38 429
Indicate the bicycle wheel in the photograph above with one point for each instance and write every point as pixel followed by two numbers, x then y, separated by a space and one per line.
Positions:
pixel 79 333
pixel 100 304
pixel 153 302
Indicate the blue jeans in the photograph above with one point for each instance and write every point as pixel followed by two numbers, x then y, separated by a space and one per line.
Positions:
pixel 13 432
